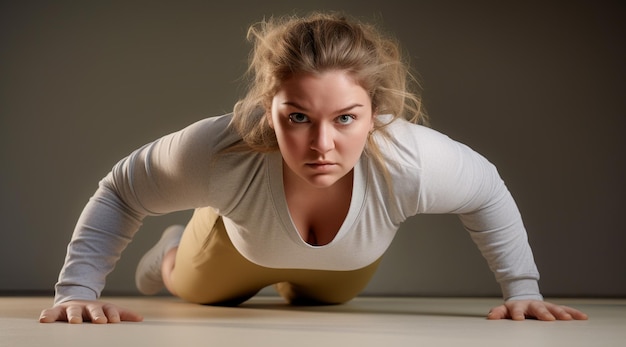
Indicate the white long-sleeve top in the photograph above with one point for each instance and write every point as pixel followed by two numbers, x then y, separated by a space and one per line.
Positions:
pixel 430 173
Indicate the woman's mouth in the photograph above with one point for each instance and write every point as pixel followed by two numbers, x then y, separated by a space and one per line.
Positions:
pixel 320 165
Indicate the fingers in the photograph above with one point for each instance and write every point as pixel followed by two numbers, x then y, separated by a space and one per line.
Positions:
pixel 96 314
pixel 517 311
pixel 70 313
pixel 50 315
pixel 116 314
pixel 541 310
pixel 549 311
pixel 573 313
pixel 558 312
pixel 111 313
pixel 510 310
pixel 579 315
pixel 500 312
pixel 130 316
pixel 76 312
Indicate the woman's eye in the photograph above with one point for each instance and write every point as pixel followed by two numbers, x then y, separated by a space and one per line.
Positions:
pixel 345 119
pixel 298 118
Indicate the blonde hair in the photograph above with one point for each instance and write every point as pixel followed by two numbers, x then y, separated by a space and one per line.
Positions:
pixel 314 44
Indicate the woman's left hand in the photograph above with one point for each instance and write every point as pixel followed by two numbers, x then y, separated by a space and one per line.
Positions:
pixel 541 310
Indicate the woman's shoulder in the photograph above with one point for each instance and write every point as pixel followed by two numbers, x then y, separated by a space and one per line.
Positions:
pixel 213 132
pixel 409 140
pixel 212 124
pixel 402 129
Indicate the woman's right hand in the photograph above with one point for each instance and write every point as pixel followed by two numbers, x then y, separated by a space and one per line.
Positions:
pixel 75 312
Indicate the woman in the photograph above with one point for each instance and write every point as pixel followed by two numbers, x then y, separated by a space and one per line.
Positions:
pixel 303 187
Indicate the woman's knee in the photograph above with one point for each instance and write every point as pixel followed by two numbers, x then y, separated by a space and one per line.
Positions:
pixel 215 297
pixel 311 296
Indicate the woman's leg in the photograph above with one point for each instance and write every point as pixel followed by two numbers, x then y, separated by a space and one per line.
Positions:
pixel 149 276
pixel 207 269
pixel 319 287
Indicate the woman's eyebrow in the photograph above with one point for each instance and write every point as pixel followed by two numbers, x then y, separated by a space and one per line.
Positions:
pixel 345 109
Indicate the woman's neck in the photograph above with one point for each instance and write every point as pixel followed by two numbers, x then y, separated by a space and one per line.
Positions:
pixel 317 213
pixel 295 185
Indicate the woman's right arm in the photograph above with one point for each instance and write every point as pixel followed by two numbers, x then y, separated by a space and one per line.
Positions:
pixel 167 175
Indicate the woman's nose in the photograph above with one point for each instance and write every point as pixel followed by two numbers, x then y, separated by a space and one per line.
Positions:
pixel 322 139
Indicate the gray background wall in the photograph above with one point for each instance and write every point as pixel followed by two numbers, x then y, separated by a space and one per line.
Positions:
pixel 536 86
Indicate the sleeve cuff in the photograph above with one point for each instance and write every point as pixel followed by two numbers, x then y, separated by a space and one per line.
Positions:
pixel 522 289
pixel 67 293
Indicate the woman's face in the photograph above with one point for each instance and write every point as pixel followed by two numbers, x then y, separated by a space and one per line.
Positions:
pixel 322 123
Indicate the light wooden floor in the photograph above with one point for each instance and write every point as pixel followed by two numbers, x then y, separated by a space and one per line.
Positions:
pixel 266 321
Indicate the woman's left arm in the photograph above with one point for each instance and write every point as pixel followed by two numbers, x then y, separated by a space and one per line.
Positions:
pixel 458 180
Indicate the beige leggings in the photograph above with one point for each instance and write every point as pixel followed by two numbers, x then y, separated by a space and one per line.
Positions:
pixel 209 270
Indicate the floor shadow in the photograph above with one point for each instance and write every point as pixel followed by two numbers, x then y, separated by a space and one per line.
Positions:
pixel 362 308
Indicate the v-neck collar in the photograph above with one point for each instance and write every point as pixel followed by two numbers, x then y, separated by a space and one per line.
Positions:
pixel 359 184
